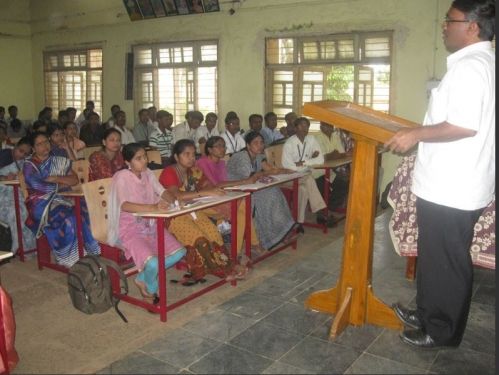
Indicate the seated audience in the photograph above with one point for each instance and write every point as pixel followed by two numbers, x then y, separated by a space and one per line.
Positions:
pixel 255 122
pixel 269 131
pixel 120 125
pixel 3 121
pixel 289 130
pixel 62 117
pixel 143 129
pixel 214 169
pixel 72 144
pixel 162 137
pixel 332 148
pixel 300 151
pixel 189 129
pixel 271 214
pixel 89 107
pixel 4 140
pixel 186 182
pixel 234 141
pixel 152 112
pixel 92 131
pixel 50 213
pixel 110 121
pixel 20 151
pixel 109 160
pixel 210 128
pixel 136 189
pixel 9 170
pixel 45 115
pixel 71 114
pixel 56 136
pixel 16 128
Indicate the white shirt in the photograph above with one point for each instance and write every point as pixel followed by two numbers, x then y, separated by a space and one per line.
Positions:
pixel 184 131
pixel 233 143
pixel 295 151
pixel 204 132
pixel 126 135
pixel 461 174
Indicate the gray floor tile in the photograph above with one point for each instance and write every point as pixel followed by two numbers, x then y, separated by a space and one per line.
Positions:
pixel 327 282
pixel 283 368
pixel 463 361
pixel 295 318
pixel 267 340
pixel 229 360
pixel 388 345
pixel 180 348
pixel 483 315
pixel 371 364
pixel 251 305
pixel 302 275
pixel 485 294
pixel 320 357
pixel 218 325
pixel 278 288
pixel 479 338
pixel 140 363
pixel 354 337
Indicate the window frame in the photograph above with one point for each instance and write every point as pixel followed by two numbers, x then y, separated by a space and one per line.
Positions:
pixel 192 89
pixel 60 70
pixel 300 64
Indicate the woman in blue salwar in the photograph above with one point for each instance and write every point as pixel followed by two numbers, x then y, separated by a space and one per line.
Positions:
pixel 50 213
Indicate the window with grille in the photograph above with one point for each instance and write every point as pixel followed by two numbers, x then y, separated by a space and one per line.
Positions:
pixel 72 78
pixel 353 67
pixel 177 77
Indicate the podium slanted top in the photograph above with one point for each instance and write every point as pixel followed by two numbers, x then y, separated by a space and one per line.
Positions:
pixel 376 125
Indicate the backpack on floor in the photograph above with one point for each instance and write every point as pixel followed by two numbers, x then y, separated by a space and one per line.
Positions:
pixel 89 285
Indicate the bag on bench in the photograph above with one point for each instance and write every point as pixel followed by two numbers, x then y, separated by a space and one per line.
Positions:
pixel 89 285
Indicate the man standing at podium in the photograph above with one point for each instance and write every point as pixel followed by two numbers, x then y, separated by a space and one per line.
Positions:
pixel 454 176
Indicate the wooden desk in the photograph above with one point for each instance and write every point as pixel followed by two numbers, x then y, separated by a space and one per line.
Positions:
pixel 161 217
pixel 280 179
pixel 15 186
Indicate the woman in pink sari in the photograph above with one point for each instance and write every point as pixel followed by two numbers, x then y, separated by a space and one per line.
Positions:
pixel 213 166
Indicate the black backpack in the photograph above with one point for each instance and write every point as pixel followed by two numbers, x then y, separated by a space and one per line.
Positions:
pixel 89 285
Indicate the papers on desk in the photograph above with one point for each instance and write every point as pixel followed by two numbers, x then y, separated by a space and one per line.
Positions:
pixel 279 178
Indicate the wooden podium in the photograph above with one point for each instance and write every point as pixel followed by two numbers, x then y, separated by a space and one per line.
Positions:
pixel 352 300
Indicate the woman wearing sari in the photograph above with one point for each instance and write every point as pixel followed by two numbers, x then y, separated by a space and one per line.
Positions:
pixel 273 222
pixel 136 189
pixel 49 213
pixel 214 169
pixel 10 171
pixel 185 182
pixel 106 162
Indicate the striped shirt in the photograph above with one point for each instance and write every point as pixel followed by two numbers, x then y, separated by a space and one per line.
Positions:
pixel 162 141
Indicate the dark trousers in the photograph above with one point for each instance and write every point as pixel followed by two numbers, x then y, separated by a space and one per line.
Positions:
pixel 338 191
pixel 444 271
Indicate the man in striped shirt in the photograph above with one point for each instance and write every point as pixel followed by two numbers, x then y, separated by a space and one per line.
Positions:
pixel 162 138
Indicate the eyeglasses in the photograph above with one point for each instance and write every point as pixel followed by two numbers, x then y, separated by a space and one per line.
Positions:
pixel 450 20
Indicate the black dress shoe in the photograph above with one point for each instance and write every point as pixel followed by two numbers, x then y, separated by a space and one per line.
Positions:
pixel 408 317
pixel 300 229
pixel 420 339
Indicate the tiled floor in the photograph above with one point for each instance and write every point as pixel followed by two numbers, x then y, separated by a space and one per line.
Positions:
pixel 267 329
